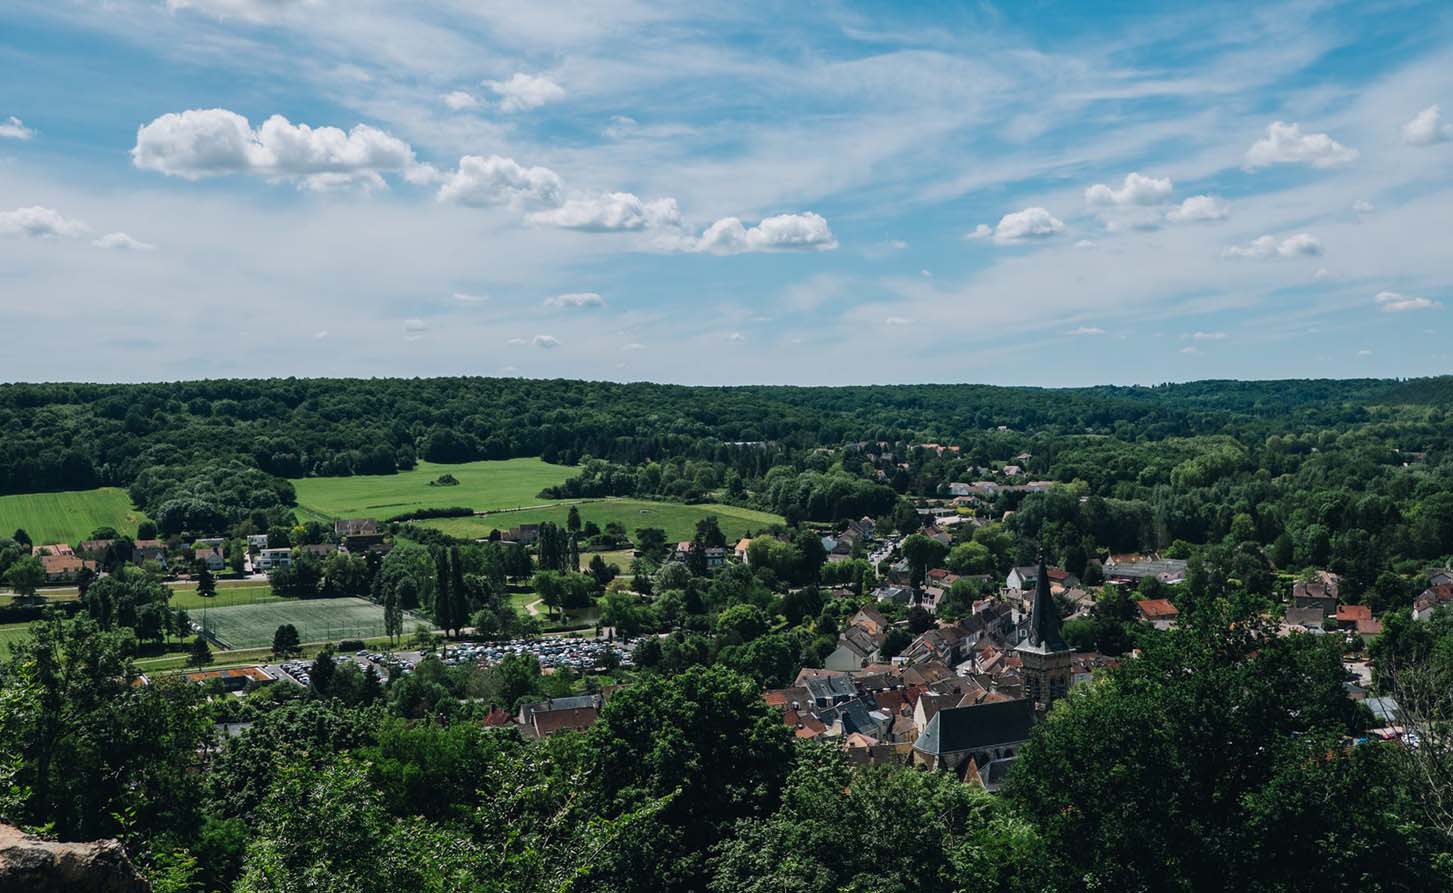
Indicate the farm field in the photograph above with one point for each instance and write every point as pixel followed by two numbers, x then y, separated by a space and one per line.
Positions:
pixel 483 486
pixel 317 620
pixel 679 521
pixel 68 517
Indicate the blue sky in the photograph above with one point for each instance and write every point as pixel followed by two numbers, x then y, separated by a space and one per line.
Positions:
pixel 1028 193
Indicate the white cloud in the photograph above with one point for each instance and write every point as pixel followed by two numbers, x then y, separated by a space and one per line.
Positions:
pixel 1363 207
pixel 15 129
pixel 576 300
pixel 982 231
pixel 458 100
pixel 784 232
pixel 1364 352
pixel 414 329
pixel 525 91
pixel 612 211
pixel 897 321
pixel 319 336
pixel 39 223
pixel 1199 207
pixel 481 182
pixel 1206 336
pixel 1286 144
pixel 1427 128
pixel 518 341
pixel 123 242
pixel 1086 330
pixel 548 342
pixel 1392 302
pixel 1190 350
pixel 1031 223
pixel 897 244
pixel 634 345
pixel 1322 273
pixel 247 10
pixel 465 297
pixel 1136 190
pixel 1085 244
pixel 213 142
pixel 1299 245
pixel 736 337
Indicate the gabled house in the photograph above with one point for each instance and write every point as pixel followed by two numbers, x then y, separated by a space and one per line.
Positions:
pixel 546 718
pixel 211 557
pixel 982 733
pixel 1432 598
pixel 149 550
pixel 355 527
pixel 63 568
pixel 1158 612
pixel 856 648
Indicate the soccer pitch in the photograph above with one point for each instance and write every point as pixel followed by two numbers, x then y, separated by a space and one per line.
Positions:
pixel 317 620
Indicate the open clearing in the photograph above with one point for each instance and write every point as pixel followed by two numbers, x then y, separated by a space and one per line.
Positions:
pixel 68 517
pixel 679 521
pixel 483 486
pixel 317 620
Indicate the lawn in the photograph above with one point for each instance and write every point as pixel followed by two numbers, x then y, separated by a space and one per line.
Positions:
pixel 227 596
pixel 68 517
pixel 483 486
pixel 679 521
pixel 317 620
pixel 12 632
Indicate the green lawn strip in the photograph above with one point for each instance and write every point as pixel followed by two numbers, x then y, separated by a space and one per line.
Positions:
pixel 484 485
pixel 227 596
pixel 678 520
pixel 68 517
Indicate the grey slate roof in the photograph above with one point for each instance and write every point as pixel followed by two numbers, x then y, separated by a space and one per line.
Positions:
pixel 830 687
pixel 955 729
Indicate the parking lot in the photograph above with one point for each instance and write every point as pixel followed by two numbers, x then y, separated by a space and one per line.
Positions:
pixel 581 655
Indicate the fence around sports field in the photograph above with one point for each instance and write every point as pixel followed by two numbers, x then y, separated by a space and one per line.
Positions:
pixel 317 620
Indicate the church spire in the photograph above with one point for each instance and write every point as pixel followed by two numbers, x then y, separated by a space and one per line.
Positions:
pixel 1044 615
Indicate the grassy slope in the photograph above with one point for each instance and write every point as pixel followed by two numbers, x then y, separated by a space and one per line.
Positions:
pixel 679 521
pixel 482 486
pixel 68 517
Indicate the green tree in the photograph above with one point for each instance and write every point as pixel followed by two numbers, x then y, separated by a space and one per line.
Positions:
pixel 572 520
pixel 199 655
pixel 206 584
pixel 285 641
pixel 26 575
pixel 323 670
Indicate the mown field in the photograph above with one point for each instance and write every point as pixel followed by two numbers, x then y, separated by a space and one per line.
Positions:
pixel 248 593
pixel 679 521
pixel 483 486
pixel 68 517
pixel 317 620
pixel 12 632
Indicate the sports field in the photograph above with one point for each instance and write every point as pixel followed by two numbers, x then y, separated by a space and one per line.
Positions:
pixel 486 485
pixel 317 620
pixel 679 521
pixel 246 593
pixel 68 517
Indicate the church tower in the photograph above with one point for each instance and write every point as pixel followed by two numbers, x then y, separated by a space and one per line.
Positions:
pixel 1045 654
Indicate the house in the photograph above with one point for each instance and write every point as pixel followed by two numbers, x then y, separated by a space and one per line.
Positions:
pixel 982 733
pixel 525 534
pixel 59 550
pixel 355 527
pixel 1012 471
pixel 1310 619
pixel 149 550
pixel 1021 577
pixel 358 543
pixel 869 619
pixel 272 559
pixel 740 551
pixel 1320 594
pixel 211 557
pixel 898 594
pixel 94 548
pixel 856 648
pixel 1358 619
pixel 62 568
pixel 213 542
pixel 552 715
pixel 256 541
pixel 319 551
pixel 1430 599
pixel 943 643
pixel 1158 612
pixel 234 679
pixel 715 556
pixel 825 687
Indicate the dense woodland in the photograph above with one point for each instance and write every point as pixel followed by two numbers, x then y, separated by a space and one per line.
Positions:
pixel 1220 758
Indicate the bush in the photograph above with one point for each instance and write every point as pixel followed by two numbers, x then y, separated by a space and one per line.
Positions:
pixel 351 645
pixel 457 511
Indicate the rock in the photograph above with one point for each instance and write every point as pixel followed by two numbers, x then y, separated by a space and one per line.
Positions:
pixel 44 866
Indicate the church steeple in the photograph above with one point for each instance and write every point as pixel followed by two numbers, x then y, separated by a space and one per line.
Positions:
pixel 1044 615
pixel 1045 656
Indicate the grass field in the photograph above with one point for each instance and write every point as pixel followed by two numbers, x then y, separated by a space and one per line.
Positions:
pixel 483 486
pixel 68 517
pixel 317 620
pixel 679 521
pixel 10 632
pixel 227 596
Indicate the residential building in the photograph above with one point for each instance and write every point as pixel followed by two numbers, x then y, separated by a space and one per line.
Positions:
pixel 1158 612
pixel 355 527
pixel 272 559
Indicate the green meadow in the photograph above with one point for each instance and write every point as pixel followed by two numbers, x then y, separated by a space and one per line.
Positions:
pixel 483 486
pixel 317 620
pixel 679 521
pixel 68 517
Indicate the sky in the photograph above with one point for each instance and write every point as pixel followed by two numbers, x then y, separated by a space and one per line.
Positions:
pixel 714 193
